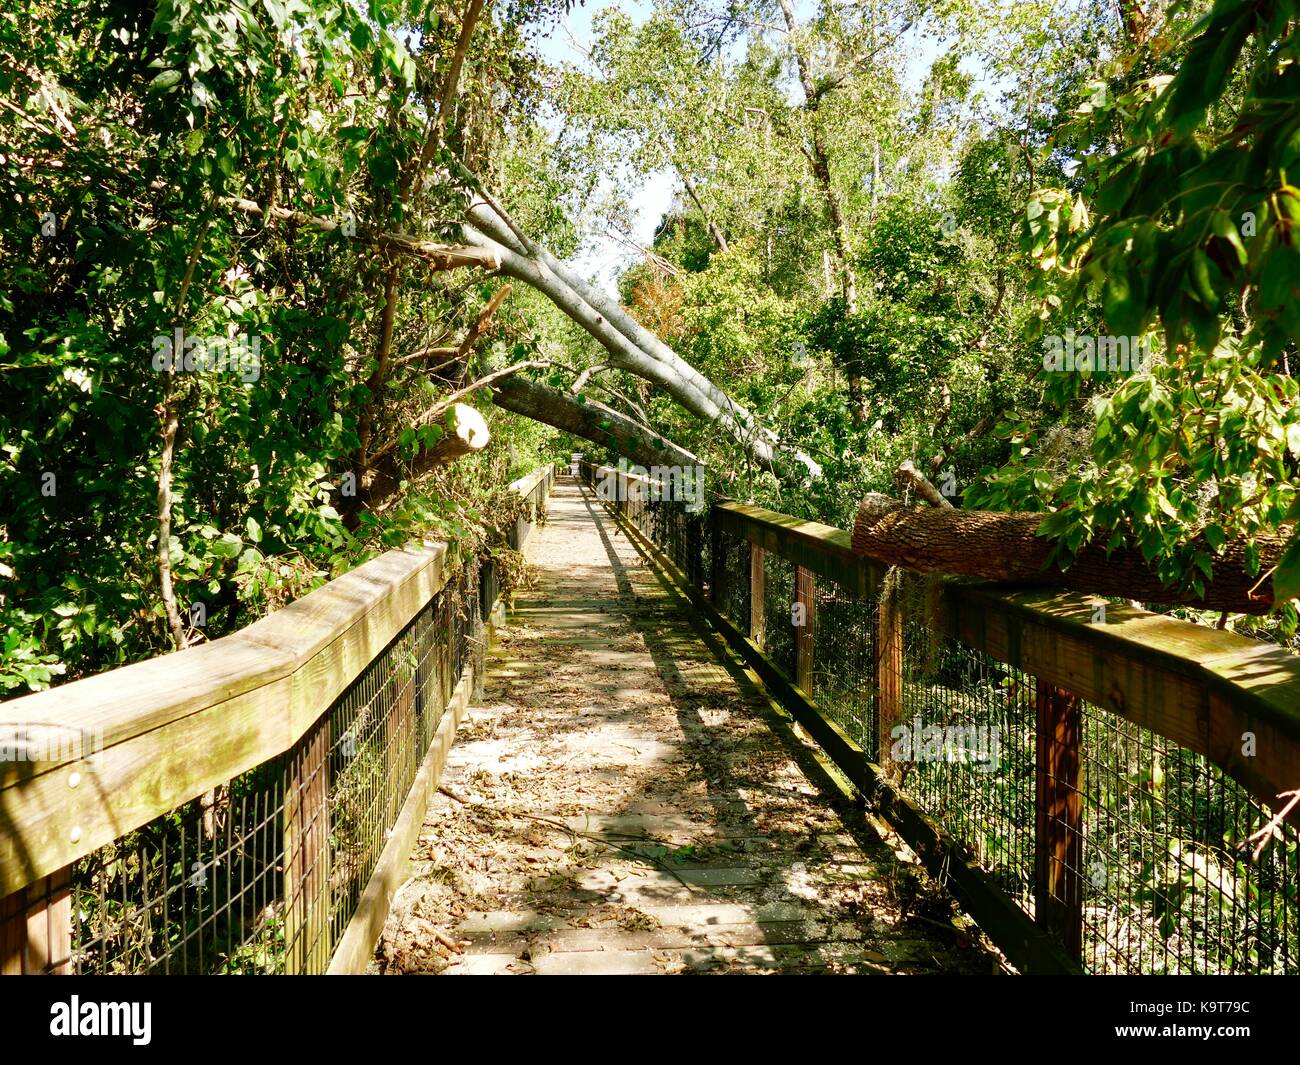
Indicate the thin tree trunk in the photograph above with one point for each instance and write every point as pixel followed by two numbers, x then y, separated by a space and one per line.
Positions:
pixel 433 135
pixel 819 159
pixel 170 429
pixel 591 421
pixel 435 255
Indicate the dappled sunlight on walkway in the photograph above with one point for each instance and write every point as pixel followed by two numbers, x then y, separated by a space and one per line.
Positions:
pixel 625 801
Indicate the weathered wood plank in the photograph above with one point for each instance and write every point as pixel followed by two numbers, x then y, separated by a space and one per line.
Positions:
pixel 307 855
pixel 36 927
pixel 177 726
pixel 1058 816
pixel 888 646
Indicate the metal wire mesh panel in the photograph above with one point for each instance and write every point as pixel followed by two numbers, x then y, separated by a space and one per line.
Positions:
pixel 732 572
pixel 196 891
pixel 778 594
pixel 679 534
pixel 1169 880
pixel 264 874
pixel 844 660
pixel 964 750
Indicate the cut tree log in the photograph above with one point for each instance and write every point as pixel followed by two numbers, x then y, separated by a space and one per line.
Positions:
pixel 1007 547
pixel 464 431
pixel 591 421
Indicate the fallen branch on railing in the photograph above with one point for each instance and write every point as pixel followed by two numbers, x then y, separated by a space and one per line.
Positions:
pixel 1273 830
pixel 1007 547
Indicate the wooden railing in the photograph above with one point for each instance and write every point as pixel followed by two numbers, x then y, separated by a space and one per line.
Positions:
pixel 1128 730
pixel 374 669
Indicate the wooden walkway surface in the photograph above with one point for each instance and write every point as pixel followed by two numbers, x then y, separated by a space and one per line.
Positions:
pixel 626 800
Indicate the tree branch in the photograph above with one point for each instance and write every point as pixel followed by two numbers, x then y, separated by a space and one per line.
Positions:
pixel 591 421
pixel 438 256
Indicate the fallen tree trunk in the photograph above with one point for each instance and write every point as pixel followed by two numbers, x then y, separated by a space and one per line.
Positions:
pixel 493 243
pixel 631 346
pixel 591 421
pixel 1007 547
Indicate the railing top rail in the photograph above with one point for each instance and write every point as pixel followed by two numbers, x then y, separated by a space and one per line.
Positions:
pixel 527 483
pixel 824 549
pixel 1207 689
pixel 166 730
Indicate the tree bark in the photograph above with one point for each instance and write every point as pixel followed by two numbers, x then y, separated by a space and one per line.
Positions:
pixel 1007 547
pixel 1136 23
pixel 591 421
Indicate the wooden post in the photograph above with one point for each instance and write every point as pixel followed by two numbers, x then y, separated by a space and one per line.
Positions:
pixel 889 672
pixel 695 553
pixel 804 597
pixel 757 596
pixel 306 854
pixel 718 564
pixel 1058 809
pixel 479 640
pixel 36 927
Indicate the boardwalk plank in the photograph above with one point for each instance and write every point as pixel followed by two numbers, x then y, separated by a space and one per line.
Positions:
pixel 625 801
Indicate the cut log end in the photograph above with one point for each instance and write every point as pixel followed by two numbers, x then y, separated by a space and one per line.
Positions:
pixel 464 431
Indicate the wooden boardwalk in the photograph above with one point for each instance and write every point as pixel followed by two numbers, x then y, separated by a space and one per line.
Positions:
pixel 626 800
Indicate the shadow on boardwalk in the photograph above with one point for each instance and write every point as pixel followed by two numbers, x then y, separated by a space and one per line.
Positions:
pixel 627 801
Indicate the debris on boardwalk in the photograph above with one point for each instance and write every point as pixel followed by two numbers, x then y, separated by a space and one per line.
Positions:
pixel 622 803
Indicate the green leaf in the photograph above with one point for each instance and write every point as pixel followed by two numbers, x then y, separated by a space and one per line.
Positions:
pixel 165 82
pixel 228 546
pixel 1286 578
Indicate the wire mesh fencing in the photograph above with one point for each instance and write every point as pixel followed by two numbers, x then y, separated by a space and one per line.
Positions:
pixel 1137 854
pixel 263 874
